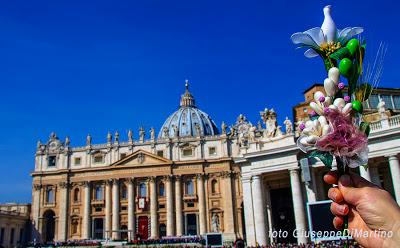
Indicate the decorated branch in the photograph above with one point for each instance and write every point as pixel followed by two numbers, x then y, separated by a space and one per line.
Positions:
pixel 336 128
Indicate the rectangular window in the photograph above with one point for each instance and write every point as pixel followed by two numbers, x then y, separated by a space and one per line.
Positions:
pixel 160 153
pixel 98 159
pixel 161 206
pixel 373 101
pixel 12 236
pixel 50 195
pixel 98 193
pixel 212 151
pixel 2 235
pixel 123 155
pixel 123 208
pixel 187 152
pixel 52 161
pixel 77 161
pixel 388 101
pixel 396 102
pixel 97 209
pixel 190 204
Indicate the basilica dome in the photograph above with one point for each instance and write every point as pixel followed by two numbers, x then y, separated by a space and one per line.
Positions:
pixel 188 120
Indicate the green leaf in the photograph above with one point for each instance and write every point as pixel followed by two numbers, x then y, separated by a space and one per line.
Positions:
pixel 340 54
pixel 364 127
pixel 365 166
pixel 325 157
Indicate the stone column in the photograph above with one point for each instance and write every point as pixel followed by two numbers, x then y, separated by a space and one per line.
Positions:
pixel 229 221
pixel 63 212
pixel 131 208
pixel 36 212
pixel 269 211
pixel 248 211
pixel 259 210
pixel 115 209
pixel 298 206
pixel 178 206
pixel 86 223
pixel 108 210
pixel 365 173
pixel 201 204
pixel 395 171
pixel 170 206
pixel 153 208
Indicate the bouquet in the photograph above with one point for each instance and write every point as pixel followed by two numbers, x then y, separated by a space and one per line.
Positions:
pixel 336 128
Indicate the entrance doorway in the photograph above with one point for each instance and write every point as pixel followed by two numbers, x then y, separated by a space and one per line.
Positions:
pixel 191 224
pixel 98 228
pixel 124 232
pixel 49 225
pixel 282 212
pixel 143 227
pixel 162 230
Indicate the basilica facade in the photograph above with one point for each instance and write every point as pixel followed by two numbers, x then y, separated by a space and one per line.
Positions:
pixel 192 178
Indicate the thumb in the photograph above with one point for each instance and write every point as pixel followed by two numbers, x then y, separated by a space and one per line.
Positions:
pixel 351 188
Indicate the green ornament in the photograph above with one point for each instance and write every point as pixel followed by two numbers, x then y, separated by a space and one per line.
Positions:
pixel 345 67
pixel 357 106
pixel 353 45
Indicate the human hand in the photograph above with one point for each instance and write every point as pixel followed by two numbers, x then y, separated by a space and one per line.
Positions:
pixel 368 207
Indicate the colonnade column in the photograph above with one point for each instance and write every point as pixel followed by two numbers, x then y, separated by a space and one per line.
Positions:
pixel 267 195
pixel 131 208
pixel 395 172
pixel 298 206
pixel 153 208
pixel 115 209
pixel 178 206
pixel 259 208
pixel 86 211
pixel 36 212
pixel 202 205
pixel 108 210
pixel 229 221
pixel 248 211
pixel 374 172
pixel 170 206
pixel 62 221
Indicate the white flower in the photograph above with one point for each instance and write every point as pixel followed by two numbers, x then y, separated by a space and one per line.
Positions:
pixel 326 39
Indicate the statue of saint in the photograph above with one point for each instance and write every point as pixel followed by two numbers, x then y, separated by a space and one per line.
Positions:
pixel 141 134
pixel 215 222
pixel 152 133
pixel 116 136
pixel 109 137
pixel 288 125
pixel 88 140
pixel 166 132
pixel 223 128
pixel 67 141
pixel 130 135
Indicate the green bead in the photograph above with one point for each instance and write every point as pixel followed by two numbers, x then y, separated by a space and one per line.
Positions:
pixel 353 45
pixel 357 106
pixel 345 67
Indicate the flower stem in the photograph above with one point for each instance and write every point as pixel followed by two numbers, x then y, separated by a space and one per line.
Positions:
pixel 343 170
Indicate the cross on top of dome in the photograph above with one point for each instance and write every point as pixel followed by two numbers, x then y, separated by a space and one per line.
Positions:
pixel 187 99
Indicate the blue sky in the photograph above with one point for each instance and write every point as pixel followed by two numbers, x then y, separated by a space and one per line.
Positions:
pixel 79 67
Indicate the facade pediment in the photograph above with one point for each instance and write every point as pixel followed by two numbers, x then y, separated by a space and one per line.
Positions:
pixel 142 158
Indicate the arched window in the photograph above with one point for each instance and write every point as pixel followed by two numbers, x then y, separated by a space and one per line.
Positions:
pixel 142 190
pixel 161 189
pixel 50 195
pixel 189 187
pixel 76 195
pixel 214 186
pixel 98 195
pixel 124 193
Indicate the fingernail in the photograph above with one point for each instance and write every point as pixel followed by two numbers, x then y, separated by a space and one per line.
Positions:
pixel 333 195
pixel 342 209
pixel 345 180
